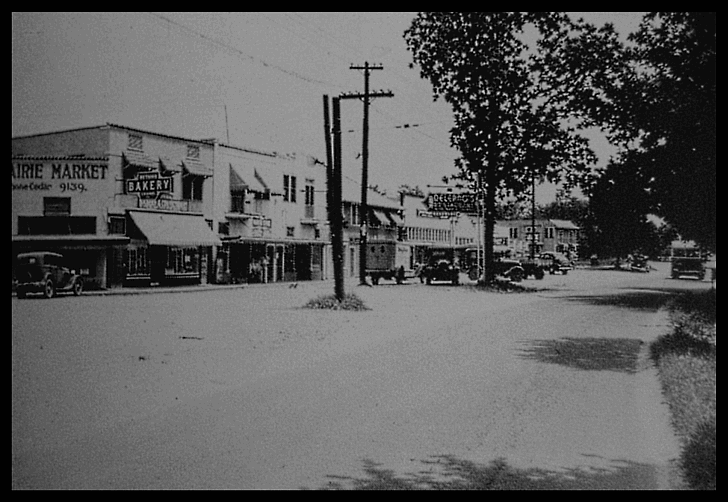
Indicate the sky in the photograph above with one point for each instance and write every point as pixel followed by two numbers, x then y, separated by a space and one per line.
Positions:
pixel 251 79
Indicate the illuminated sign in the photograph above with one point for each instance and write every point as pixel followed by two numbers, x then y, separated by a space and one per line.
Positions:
pixel 149 185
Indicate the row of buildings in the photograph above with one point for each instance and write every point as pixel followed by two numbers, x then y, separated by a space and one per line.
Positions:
pixel 132 207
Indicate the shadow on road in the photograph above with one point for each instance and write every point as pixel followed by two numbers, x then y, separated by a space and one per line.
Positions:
pixel 596 354
pixel 446 472
pixel 652 300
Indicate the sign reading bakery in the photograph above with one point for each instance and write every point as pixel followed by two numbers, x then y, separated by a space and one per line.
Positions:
pixel 65 175
pixel 149 184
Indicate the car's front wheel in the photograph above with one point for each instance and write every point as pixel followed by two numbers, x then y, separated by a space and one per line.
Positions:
pixel 49 290
pixel 78 287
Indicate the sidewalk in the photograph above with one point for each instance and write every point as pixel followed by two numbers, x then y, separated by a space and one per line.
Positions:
pixel 184 289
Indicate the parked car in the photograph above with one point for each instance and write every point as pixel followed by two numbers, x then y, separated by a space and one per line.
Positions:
pixel 555 262
pixel 46 273
pixel 440 270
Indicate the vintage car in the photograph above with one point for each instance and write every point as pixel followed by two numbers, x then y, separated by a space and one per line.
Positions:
pixel 555 262
pixel 687 267
pixel 440 270
pixel 46 273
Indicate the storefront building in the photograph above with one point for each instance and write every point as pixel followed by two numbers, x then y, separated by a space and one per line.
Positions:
pixel 127 207
pixel 385 220
pixel 270 216
pixel 542 235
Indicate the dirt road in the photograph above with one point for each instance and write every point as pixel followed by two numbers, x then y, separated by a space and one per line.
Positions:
pixel 242 389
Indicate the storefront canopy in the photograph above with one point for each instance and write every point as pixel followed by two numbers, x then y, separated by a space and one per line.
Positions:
pixel 396 219
pixel 173 229
pixel 139 160
pixel 240 179
pixel 196 168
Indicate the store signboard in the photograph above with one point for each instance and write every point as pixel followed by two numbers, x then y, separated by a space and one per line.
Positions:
pixel 452 203
pixel 149 184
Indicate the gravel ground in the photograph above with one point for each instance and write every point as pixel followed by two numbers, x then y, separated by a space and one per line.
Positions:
pixel 242 388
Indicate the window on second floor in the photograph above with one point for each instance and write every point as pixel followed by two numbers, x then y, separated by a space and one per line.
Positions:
pixel 309 200
pixel 237 202
pixel 289 188
pixel 192 187
pixel 193 152
pixel 135 142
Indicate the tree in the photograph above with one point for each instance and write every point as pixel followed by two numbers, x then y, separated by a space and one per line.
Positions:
pixel 656 101
pixel 511 126
pixel 408 190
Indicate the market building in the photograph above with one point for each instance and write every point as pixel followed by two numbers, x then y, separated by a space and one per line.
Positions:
pixel 125 206
pixel 270 216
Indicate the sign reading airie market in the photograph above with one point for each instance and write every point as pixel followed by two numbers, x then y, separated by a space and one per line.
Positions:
pixel 452 203
pixel 149 185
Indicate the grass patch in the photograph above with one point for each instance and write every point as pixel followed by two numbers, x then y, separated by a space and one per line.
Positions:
pixel 350 302
pixel 686 361
pixel 501 286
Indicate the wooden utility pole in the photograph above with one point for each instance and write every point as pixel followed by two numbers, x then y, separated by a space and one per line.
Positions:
pixel 335 217
pixel 364 213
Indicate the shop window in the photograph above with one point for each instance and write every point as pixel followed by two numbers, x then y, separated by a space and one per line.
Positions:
pixel 117 225
pixel 56 225
pixel 56 206
pixel 136 263
pixel 513 233
pixel 135 142
pixel 182 260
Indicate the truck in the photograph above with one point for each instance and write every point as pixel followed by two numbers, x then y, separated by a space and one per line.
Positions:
pixel 388 260
pixel 686 259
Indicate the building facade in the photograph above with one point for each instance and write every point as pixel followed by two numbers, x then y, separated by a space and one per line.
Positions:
pixel 543 235
pixel 125 206
pixel 270 216
pixel 384 222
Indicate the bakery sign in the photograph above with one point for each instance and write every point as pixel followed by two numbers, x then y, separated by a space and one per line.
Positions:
pixel 149 184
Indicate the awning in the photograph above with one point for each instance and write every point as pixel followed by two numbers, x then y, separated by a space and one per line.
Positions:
pixel 396 219
pixel 237 183
pixel 196 168
pixel 173 229
pixel 381 216
pixel 240 179
pixel 139 160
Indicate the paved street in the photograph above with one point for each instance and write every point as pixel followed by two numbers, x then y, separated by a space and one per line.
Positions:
pixel 241 388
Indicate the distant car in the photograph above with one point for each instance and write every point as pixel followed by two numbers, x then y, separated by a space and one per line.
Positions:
pixel 510 269
pixel 440 270
pixel 46 273
pixel 555 262
pixel 690 267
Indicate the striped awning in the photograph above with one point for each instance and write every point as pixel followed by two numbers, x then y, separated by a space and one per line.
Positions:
pixel 140 160
pixel 173 229
pixel 381 216
pixel 396 219
pixel 196 168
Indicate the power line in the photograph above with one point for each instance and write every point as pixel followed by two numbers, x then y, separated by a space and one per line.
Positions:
pixel 239 53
